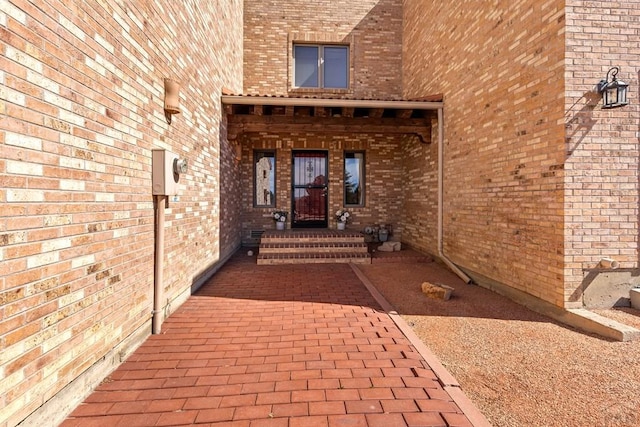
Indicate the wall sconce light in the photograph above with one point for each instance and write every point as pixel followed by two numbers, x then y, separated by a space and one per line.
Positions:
pixel 614 92
pixel 171 99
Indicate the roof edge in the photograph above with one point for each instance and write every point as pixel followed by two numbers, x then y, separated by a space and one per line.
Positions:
pixel 329 102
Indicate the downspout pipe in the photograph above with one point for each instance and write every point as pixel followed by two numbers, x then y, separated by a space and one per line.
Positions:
pixel 158 278
pixel 441 254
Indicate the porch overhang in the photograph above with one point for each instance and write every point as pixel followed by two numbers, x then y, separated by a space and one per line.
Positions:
pixel 275 114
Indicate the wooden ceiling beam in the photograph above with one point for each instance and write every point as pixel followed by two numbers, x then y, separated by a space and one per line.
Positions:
pixel 347 111
pixel 404 114
pixel 281 124
pixel 376 112
pixel 325 121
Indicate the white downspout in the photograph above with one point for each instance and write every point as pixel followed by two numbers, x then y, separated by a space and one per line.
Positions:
pixel 441 254
pixel 158 282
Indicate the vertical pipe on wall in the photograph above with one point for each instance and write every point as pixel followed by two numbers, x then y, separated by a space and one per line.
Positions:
pixel 441 254
pixel 158 279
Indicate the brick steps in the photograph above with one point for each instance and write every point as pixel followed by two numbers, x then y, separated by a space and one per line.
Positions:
pixel 314 258
pixel 312 247
pixel 319 236
pixel 282 248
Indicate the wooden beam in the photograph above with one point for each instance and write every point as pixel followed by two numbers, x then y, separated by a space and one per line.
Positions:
pixel 320 112
pixel 376 112
pixel 303 111
pixel 282 124
pixel 323 121
pixel 404 114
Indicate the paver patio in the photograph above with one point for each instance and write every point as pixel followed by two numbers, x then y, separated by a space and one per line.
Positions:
pixel 303 345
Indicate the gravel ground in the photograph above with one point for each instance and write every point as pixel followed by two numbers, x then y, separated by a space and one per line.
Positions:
pixel 520 368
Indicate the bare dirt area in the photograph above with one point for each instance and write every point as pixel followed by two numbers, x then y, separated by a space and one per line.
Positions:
pixel 520 368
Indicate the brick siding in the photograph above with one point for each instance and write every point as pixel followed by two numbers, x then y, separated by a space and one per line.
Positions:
pixel 601 184
pixel 420 195
pixel 501 72
pixel 372 28
pixel 81 95
pixel 540 182
pixel 383 187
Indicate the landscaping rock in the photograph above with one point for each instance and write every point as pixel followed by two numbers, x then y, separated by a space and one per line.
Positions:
pixel 437 290
pixel 390 246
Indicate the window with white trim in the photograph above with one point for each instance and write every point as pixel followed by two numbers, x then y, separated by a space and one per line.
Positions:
pixel 321 66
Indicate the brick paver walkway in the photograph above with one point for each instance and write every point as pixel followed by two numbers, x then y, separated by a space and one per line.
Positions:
pixel 276 346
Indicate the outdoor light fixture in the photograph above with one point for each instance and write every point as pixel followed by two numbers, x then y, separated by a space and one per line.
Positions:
pixel 171 99
pixel 614 92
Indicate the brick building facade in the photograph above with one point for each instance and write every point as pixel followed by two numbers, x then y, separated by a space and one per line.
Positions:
pixel 543 183
pixel 504 168
pixel 540 182
pixel 81 107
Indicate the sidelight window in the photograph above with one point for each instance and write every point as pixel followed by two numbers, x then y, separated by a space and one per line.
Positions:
pixel 354 178
pixel 264 178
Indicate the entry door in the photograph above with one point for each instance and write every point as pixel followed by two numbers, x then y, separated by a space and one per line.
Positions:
pixel 309 189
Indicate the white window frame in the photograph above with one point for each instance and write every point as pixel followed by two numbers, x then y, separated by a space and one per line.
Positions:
pixel 320 65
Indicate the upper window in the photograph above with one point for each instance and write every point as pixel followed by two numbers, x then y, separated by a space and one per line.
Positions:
pixel 321 66
pixel 354 178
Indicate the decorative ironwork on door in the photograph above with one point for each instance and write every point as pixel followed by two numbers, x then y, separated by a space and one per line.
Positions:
pixel 309 188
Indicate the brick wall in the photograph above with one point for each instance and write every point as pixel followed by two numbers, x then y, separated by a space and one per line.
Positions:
pixel 501 70
pixel 372 28
pixel 601 191
pixel 81 95
pixel 420 194
pixel 383 186
pixel 540 182
pixel 373 31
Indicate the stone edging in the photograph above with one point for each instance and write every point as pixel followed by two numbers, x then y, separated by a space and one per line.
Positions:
pixel 448 382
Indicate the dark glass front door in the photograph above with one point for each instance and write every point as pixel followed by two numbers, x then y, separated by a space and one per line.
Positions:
pixel 309 189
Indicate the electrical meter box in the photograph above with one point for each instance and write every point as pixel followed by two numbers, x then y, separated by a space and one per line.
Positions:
pixel 164 175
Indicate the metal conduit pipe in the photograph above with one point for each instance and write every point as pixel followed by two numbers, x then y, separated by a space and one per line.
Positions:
pixel 158 287
pixel 441 254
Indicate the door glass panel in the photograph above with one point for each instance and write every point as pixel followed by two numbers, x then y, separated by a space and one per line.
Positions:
pixel 310 189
